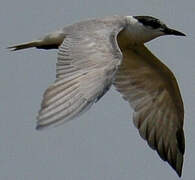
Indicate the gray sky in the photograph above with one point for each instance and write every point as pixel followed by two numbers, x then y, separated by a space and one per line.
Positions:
pixel 103 144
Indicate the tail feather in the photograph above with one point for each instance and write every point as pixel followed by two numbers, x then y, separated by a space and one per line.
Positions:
pixel 24 45
pixel 50 41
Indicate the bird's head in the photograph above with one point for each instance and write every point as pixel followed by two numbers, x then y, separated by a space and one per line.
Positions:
pixel 146 28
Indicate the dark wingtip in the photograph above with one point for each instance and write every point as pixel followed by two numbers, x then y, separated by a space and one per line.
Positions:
pixel 179 172
pixel 177 166
pixel 39 127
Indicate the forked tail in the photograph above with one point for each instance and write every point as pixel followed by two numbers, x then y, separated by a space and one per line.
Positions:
pixel 50 41
pixel 24 45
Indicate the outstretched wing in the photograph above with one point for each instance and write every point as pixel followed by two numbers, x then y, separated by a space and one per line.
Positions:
pixel 87 61
pixel 152 91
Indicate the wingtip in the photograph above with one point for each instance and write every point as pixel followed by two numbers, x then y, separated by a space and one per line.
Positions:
pixel 179 166
pixel 179 172
pixel 38 127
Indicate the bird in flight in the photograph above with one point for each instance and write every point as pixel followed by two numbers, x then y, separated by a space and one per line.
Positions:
pixel 97 53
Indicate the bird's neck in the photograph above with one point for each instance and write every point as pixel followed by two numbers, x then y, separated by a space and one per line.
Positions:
pixel 135 33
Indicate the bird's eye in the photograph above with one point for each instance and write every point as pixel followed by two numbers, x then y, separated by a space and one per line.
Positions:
pixel 154 24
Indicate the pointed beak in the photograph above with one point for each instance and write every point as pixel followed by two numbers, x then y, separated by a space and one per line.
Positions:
pixel 169 31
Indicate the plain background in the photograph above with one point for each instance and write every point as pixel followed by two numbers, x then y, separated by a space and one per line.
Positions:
pixel 103 144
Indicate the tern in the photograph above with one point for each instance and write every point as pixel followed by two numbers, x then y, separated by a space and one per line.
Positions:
pixel 97 53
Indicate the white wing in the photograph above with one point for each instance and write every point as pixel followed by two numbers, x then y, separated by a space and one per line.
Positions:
pixel 152 91
pixel 87 61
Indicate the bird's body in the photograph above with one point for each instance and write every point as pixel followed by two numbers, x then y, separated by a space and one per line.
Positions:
pixel 97 53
